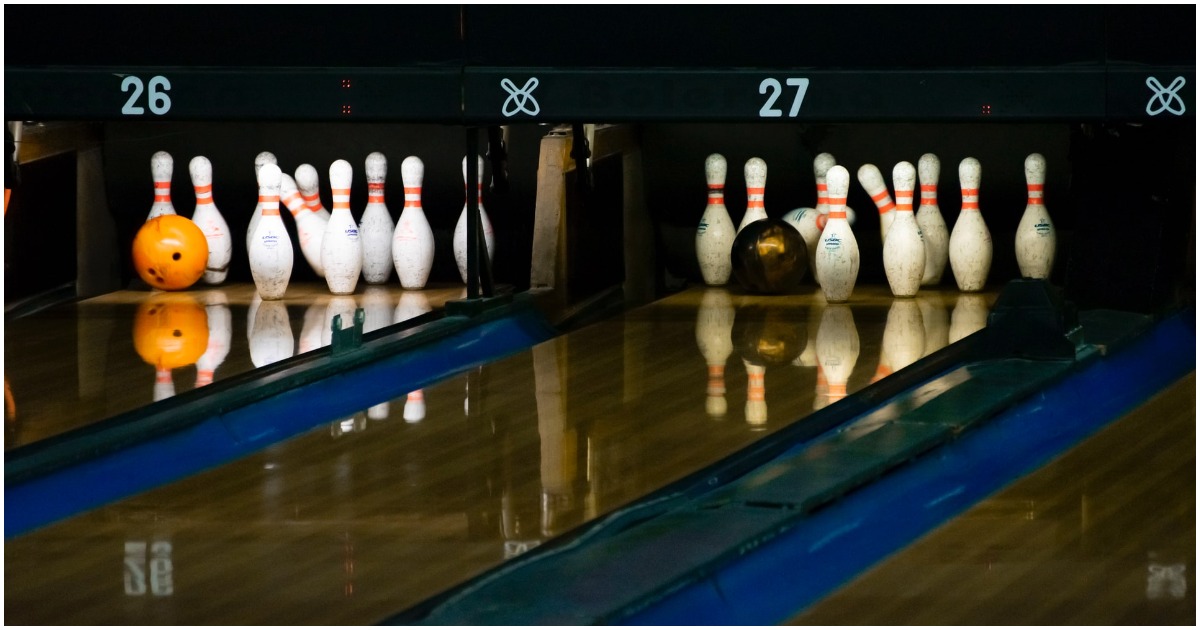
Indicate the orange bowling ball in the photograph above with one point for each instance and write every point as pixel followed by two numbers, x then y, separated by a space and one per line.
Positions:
pixel 170 252
pixel 170 330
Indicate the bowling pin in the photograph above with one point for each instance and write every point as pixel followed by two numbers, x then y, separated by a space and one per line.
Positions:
pixel 414 407
pixel 929 219
pixel 756 396
pixel 970 240
pixel 903 250
pixel 309 184
pixel 272 340
pixel 220 330
pixel 309 226
pixel 208 217
pixel 412 242
pixel 162 165
pixel 271 247
pixel 341 248
pixel 872 181
pixel 460 230
pixel 714 235
pixel 970 315
pixel 837 346
pixel 266 157
pixel 1036 237
pixel 904 333
pixel 837 261
pixel 810 222
pixel 714 330
pixel 376 227
pixel 344 305
pixel 755 172
pixel 164 383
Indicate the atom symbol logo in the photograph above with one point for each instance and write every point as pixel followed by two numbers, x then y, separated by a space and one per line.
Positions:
pixel 520 100
pixel 1165 99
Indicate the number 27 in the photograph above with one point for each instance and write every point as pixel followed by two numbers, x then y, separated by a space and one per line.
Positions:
pixel 772 85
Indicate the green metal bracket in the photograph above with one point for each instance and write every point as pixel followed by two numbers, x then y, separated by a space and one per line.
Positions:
pixel 349 339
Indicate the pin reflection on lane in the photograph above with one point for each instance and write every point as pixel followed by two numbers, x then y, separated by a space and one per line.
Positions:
pixel 768 335
pixel 714 329
pixel 220 332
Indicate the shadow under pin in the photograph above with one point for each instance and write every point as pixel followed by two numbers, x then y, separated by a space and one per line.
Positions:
pixel 348 339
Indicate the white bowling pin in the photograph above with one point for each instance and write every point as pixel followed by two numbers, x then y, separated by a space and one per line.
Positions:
pixel 343 305
pixel 936 319
pixel 810 222
pixel 1036 238
pixel 412 242
pixel 756 396
pixel 271 256
pixel 376 227
pixel 970 240
pixel 970 314
pixel 414 407
pixel 210 221
pixel 837 346
pixel 714 330
pixel 412 304
pixel 904 333
pixel 266 157
pixel 460 230
pixel 929 219
pixel 714 235
pixel 309 227
pixel 272 340
pixel 220 330
pixel 756 188
pixel 872 181
pixel 164 384
pixel 162 165
pixel 341 247
pixel 309 183
pixel 904 250
pixel 837 260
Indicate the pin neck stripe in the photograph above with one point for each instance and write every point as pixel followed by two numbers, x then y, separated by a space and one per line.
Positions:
pixel 716 199
pixel 341 198
pixel 162 198
pixel 883 201
pixel 904 200
pixel 837 390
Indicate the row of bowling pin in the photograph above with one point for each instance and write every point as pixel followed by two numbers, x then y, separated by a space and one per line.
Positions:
pixel 916 257
pixel 914 329
pixel 334 245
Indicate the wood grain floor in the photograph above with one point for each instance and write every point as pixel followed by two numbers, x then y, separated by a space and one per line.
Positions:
pixel 1104 535
pixel 368 515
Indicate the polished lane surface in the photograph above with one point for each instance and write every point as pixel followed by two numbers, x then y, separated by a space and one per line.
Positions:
pixel 373 513
pixel 76 364
pixel 1104 535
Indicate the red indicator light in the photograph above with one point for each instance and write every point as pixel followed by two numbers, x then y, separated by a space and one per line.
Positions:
pixel 345 83
pixel 345 109
pixel 986 110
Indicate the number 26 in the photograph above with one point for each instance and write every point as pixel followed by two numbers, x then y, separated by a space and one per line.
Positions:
pixel 159 101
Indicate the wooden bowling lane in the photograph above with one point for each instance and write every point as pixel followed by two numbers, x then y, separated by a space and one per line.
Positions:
pixel 375 512
pixel 79 363
pixel 1104 535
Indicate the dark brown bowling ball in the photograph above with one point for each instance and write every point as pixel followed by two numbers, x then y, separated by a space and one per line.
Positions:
pixel 769 256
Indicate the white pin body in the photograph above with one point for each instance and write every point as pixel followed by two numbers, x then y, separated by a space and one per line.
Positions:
pixel 309 183
pixel 309 226
pixel 341 247
pixel 837 348
pixel 970 240
pixel 164 384
pixel 930 220
pixel 714 234
pixel 377 227
pixel 414 407
pixel 755 172
pixel 821 165
pixel 412 240
pixel 266 157
pixel 756 395
pixel 714 338
pixel 220 333
pixel 271 254
pixel 272 340
pixel 904 250
pixel 460 228
pixel 872 181
pixel 162 167
pixel 970 315
pixel 211 222
pixel 904 334
pixel 1036 238
pixel 837 257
